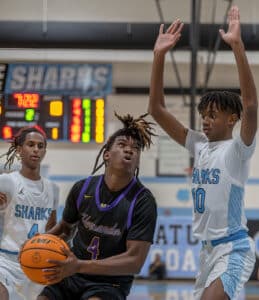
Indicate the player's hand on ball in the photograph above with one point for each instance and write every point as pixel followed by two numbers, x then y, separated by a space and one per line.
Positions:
pixel 62 269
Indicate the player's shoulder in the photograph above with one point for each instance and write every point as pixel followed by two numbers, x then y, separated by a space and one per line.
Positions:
pixel 78 185
pixel 49 182
pixel 13 175
pixel 145 193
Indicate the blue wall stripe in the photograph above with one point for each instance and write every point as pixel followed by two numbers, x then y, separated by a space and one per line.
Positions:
pixel 144 179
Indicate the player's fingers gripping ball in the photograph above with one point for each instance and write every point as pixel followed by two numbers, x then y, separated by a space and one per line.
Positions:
pixel 36 252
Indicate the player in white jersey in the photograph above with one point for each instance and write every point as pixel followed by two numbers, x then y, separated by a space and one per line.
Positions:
pixel 28 204
pixel 221 165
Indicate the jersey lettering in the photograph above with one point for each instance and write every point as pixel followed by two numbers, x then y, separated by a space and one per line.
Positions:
pixel 31 212
pixel 205 176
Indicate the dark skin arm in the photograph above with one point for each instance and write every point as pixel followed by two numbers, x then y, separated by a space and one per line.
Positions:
pixel 3 200
pixel 157 108
pixel 247 85
pixel 127 263
pixel 62 229
pixel 52 221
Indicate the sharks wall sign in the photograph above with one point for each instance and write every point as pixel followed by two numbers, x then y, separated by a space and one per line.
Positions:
pixel 67 100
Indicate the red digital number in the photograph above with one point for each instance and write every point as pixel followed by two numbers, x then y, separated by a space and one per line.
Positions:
pixel 27 100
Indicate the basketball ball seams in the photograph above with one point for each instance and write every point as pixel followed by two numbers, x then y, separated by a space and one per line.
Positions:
pixel 36 252
pixel 38 248
pixel 43 260
pixel 38 268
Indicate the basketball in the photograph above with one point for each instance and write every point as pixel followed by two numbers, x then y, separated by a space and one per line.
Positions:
pixel 35 253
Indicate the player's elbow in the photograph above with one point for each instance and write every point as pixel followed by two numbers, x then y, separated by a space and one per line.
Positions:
pixel 155 112
pixel 136 268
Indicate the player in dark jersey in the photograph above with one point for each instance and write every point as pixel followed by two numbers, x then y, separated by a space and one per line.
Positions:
pixel 114 219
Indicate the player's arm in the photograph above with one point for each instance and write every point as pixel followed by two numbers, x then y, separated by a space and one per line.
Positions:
pixel 157 108
pixel 247 86
pixel 52 221
pixel 127 263
pixel 70 214
pixel 7 188
pixel 3 200
pixel 62 229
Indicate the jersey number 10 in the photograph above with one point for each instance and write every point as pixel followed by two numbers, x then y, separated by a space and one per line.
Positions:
pixel 198 196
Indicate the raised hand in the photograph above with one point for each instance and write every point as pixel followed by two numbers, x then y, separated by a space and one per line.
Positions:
pixel 233 35
pixel 169 39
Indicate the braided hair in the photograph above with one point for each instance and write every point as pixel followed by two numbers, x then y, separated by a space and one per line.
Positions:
pixel 139 129
pixel 223 100
pixel 18 140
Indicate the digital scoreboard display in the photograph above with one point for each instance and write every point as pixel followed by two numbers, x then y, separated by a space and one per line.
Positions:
pixel 63 118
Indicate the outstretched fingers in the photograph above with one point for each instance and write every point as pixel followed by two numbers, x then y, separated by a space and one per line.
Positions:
pixel 175 27
pixel 233 14
pixel 161 29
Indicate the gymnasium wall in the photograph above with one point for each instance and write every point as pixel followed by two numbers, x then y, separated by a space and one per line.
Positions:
pixel 66 162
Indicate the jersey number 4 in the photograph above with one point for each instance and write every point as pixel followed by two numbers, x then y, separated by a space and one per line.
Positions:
pixel 93 248
pixel 34 229
pixel 198 196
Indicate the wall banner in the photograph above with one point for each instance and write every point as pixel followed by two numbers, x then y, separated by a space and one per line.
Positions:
pixel 179 250
pixel 173 240
pixel 71 79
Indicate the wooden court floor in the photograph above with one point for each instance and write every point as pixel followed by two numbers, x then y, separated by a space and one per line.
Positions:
pixel 179 290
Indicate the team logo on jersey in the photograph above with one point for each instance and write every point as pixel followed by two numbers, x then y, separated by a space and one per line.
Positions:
pixel 20 192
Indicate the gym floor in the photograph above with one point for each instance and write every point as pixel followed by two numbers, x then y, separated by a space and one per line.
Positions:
pixel 179 290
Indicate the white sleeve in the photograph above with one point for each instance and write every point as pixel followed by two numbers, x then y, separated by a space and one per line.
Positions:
pixel 237 158
pixel 193 140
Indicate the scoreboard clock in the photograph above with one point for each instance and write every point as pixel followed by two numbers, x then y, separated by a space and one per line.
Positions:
pixel 63 118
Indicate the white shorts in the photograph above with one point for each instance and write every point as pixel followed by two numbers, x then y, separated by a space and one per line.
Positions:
pixel 232 262
pixel 12 277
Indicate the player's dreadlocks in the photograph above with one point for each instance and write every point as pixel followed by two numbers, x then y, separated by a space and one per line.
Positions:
pixel 18 140
pixel 139 129
pixel 224 101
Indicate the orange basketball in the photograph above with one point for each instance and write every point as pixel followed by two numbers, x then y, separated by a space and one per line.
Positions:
pixel 35 253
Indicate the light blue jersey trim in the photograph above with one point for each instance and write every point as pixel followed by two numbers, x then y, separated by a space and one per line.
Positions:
pixel 235 208
pixel 9 252
pixel 232 277
pixel 241 234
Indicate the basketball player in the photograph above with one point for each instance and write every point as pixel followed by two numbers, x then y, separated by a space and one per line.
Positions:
pixel 221 165
pixel 115 217
pixel 28 204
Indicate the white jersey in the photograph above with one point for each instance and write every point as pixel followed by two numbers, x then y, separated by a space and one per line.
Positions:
pixel 219 175
pixel 30 204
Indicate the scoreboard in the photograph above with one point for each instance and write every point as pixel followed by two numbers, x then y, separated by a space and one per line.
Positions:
pixel 63 117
